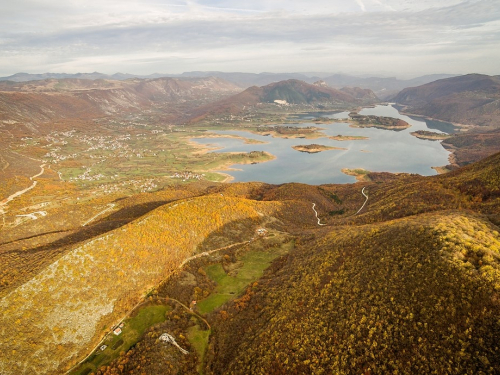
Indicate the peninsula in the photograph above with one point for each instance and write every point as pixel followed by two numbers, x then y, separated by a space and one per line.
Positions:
pixel 361 174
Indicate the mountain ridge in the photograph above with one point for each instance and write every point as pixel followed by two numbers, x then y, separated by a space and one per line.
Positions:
pixel 382 86
pixel 29 105
pixel 469 99
pixel 289 92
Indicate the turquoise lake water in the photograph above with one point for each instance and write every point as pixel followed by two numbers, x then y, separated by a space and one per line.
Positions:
pixel 384 151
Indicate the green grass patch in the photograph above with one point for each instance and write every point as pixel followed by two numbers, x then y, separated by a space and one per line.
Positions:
pixel 132 331
pixel 252 267
pixel 199 340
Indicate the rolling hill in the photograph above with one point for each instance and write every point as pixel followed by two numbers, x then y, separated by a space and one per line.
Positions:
pixel 472 100
pixel 410 284
pixel 51 318
pixel 469 99
pixel 289 92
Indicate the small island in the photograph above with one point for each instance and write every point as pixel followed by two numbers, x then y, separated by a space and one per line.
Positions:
pixel 379 122
pixel 425 134
pixel 323 120
pixel 314 148
pixel 286 131
pixel 348 137
pixel 360 173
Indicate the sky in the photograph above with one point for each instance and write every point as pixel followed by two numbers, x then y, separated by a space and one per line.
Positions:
pixel 403 38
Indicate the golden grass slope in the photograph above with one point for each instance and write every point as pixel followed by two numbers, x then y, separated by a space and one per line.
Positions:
pixel 60 313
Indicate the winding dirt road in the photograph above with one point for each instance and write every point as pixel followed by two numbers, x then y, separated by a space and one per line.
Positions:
pixel 316 212
pixel 187 260
pixel 5 202
pixel 366 200
pixel 145 300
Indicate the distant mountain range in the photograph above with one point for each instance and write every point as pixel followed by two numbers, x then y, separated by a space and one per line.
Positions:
pixel 29 107
pixel 44 105
pixel 382 86
pixel 469 99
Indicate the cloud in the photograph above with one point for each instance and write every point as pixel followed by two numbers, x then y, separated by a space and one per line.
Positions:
pixel 361 5
pixel 252 36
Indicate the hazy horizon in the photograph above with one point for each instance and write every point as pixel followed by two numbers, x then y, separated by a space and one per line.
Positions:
pixel 404 38
pixel 320 75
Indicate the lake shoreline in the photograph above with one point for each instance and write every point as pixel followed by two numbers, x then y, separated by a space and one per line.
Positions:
pixel 368 148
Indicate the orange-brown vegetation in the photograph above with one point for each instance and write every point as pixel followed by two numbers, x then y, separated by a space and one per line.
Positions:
pixel 384 298
pixel 102 278
pixel 410 285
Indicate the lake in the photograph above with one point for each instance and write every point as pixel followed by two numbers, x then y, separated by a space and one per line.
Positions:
pixel 384 151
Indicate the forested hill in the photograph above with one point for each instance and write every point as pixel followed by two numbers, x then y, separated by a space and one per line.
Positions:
pixel 469 99
pixel 418 294
pixel 408 285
